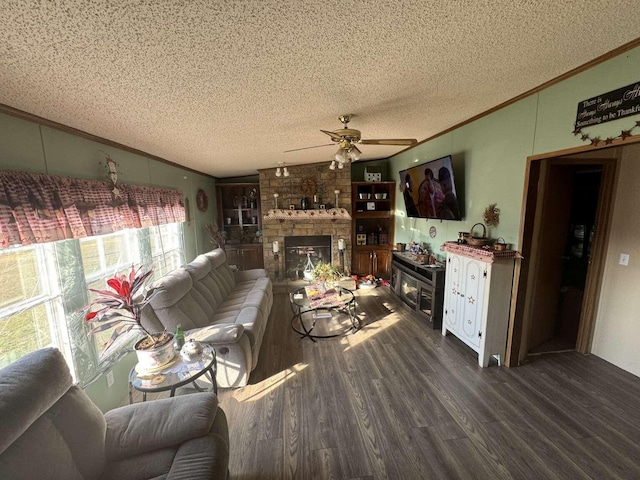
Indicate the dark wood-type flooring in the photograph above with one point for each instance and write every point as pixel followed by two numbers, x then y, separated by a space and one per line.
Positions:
pixel 396 400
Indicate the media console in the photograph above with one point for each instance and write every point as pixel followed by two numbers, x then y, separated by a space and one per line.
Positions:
pixel 420 286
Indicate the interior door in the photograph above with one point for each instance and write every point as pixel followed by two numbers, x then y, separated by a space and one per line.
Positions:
pixel 551 242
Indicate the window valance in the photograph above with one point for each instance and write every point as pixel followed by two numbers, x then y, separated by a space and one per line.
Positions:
pixel 39 208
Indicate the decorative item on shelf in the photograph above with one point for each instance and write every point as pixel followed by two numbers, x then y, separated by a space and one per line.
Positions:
pixel 292 207
pixel 500 245
pixel 258 236
pixel 383 237
pixel 371 206
pixel 372 174
pixel 202 201
pixel 492 215
pixel 218 237
pixel 253 198
pixel 308 186
pixel 120 308
pixel 478 240
pixel 380 196
pixel 462 237
pixel 304 203
pixel 361 239
pixel 400 247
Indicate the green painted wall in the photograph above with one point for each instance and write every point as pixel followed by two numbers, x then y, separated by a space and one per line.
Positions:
pixel 28 146
pixel 490 157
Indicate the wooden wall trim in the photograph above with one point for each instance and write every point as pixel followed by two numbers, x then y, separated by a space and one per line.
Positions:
pixel 14 112
pixel 571 73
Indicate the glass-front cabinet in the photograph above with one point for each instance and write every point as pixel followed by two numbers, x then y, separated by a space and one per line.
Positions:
pixel 420 287
pixel 239 216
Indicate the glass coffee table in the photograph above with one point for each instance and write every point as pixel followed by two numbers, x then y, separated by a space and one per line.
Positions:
pixel 323 314
pixel 176 374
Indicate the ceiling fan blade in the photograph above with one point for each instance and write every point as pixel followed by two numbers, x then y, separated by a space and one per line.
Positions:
pixel 307 148
pixel 334 136
pixel 389 141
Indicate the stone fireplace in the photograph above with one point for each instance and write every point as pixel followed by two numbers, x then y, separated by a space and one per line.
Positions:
pixel 314 182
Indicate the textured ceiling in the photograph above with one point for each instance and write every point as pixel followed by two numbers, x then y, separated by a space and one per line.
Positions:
pixel 225 87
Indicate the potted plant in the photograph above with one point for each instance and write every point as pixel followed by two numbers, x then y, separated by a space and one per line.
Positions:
pixel 326 273
pixel 121 307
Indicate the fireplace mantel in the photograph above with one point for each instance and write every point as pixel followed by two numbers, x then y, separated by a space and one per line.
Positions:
pixel 330 214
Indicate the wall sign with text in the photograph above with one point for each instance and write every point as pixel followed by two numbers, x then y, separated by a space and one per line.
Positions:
pixel 609 106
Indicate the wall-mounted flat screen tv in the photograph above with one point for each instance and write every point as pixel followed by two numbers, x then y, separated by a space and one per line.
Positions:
pixel 429 190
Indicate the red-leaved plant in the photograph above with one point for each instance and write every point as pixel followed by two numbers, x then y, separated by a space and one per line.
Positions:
pixel 122 307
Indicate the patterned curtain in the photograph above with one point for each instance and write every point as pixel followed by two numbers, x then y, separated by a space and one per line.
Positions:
pixel 39 208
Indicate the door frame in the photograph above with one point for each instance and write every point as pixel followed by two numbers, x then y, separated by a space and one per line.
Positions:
pixel 521 293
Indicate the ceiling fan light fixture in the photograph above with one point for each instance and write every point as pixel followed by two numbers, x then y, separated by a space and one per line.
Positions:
pixel 340 165
pixel 332 166
pixel 285 172
pixel 354 153
pixel 342 155
pixel 278 172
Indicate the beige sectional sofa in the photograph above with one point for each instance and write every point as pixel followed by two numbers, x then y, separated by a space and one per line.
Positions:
pixel 226 309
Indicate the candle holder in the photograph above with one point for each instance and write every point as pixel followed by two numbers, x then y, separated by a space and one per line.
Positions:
pixel 275 196
pixel 337 192
pixel 276 259
pixel 341 248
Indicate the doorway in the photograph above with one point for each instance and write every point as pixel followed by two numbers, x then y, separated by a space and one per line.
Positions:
pixel 566 240
pixel 566 213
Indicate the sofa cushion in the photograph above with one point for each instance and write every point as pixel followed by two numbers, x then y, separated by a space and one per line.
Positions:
pixel 22 396
pixel 204 284
pixel 61 434
pixel 144 427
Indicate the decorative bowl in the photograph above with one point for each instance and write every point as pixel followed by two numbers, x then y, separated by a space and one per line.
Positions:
pixel 380 196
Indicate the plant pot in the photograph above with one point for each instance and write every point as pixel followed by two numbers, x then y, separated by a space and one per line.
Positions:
pixel 156 357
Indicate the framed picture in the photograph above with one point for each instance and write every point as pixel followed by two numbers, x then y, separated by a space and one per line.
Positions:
pixel 371 205
pixel 292 207
pixel 361 239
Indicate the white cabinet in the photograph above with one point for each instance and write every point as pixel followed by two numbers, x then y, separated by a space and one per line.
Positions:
pixel 477 299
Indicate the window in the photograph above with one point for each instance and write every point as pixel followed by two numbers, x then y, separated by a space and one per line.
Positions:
pixel 167 252
pixel 44 287
pixel 102 258
pixel 31 314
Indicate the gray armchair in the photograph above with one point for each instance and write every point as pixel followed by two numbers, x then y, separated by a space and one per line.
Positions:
pixel 52 430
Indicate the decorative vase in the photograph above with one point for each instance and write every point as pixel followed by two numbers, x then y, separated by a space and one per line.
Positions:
pixel 156 357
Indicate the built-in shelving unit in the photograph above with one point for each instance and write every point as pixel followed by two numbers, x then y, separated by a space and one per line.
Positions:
pixel 372 206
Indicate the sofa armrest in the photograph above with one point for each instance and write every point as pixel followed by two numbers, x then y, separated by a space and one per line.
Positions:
pixel 246 275
pixel 221 334
pixel 145 427
pixel 203 458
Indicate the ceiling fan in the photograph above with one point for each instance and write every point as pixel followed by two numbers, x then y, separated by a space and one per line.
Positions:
pixel 347 137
